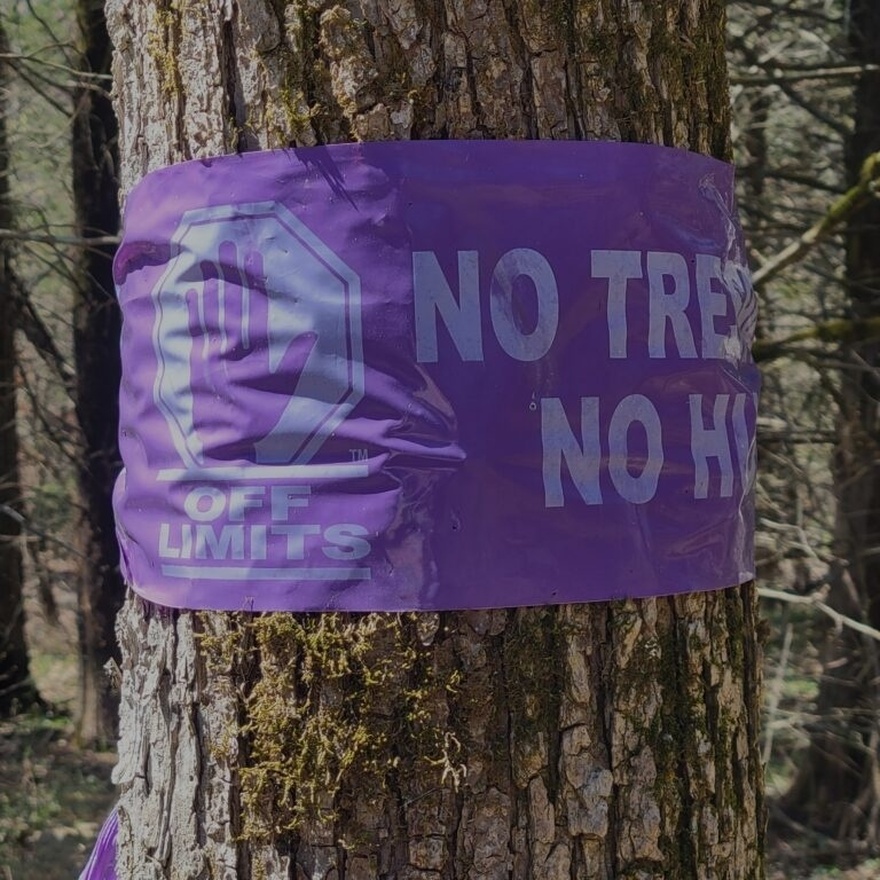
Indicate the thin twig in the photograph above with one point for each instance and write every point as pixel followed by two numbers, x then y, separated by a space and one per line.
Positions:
pixel 840 211
pixel 13 514
pixel 815 602
pixel 775 694
pixel 33 58
pixel 837 331
pixel 68 240
pixel 773 77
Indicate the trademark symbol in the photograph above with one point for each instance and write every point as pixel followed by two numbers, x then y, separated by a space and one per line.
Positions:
pixel 359 454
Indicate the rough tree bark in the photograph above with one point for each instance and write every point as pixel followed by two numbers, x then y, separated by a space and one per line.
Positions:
pixel 836 791
pixel 96 325
pixel 16 688
pixel 594 741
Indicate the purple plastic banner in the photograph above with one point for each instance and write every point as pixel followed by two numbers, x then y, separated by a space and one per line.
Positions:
pixel 435 375
pixel 102 860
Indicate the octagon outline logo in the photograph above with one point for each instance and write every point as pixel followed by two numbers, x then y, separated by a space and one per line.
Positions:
pixel 308 289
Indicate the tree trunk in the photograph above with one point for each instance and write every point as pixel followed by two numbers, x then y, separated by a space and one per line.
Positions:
pixel 610 740
pixel 16 688
pixel 836 790
pixel 96 346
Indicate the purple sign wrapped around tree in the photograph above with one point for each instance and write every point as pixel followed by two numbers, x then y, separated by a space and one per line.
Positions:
pixel 435 375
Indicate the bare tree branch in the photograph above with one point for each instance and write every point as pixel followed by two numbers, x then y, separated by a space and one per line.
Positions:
pixel 815 601
pixel 34 58
pixel 28 526
pixel 38 334
pixel 61 240
pixel 840 211
pixel 776 76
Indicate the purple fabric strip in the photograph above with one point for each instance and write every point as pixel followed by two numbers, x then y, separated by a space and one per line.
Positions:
pixel 435 375
pixel 102 862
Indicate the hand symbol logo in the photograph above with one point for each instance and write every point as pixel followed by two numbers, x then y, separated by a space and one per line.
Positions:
pixel 259 343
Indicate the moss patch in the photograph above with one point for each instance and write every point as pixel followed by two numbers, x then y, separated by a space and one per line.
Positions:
pixel 163 46
pixel 332 703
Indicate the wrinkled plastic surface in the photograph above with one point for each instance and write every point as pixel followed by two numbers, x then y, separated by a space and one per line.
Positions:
pixel 102 862
pixel 435 375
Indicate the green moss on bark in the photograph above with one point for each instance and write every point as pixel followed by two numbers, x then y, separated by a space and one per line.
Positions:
pixel 163 46
pixel 340 702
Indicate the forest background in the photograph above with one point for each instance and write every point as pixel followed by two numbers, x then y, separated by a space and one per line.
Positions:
pixel 805 75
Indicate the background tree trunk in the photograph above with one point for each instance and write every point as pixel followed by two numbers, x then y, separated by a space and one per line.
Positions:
pixel 586 741
pixel 96 325
pixel 836 790
pixel 16 688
